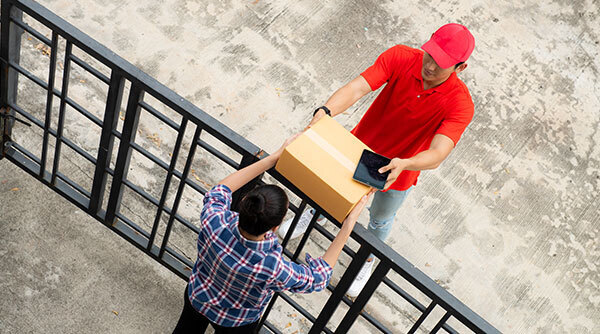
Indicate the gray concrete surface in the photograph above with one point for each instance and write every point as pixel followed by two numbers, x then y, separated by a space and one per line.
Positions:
pixel 509 223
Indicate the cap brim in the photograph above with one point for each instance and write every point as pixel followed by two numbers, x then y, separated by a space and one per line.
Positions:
pixel 441 58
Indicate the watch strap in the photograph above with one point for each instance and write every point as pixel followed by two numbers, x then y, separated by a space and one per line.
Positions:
pixel 325 109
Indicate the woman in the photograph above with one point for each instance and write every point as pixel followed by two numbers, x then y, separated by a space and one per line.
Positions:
pixel 240 263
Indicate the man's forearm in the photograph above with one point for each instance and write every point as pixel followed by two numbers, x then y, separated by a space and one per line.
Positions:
pixel 429 159
pixel 346 96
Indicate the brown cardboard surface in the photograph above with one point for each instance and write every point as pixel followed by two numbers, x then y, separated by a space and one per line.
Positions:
pixel 321 162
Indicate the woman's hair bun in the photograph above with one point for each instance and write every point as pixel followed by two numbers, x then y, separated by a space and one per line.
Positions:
pixel 262 209
pixel 255 204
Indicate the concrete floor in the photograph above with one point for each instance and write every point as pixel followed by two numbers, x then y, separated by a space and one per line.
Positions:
pixel 509 224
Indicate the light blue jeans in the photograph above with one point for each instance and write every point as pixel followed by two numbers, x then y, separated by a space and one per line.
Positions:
pixel 383 211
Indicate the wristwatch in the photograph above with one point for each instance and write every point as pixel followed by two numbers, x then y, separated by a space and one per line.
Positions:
pixel 325 109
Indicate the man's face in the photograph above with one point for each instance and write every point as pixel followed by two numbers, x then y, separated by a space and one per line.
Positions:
pixel 432 72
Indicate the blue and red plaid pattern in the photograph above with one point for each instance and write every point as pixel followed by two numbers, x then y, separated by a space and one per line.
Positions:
pixel 234 278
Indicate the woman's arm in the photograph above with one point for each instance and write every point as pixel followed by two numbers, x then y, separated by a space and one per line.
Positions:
pixel 335 248
pixel 239 178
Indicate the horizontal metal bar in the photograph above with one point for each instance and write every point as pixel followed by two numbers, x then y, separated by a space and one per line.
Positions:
pixel 440 323
pixel 90 69
pixel 74 185
pixel 82 110
pixel 195 186
pixel 78 149
pixel 364 314
pixel 28 116
pixel 150 156
pixel 133 225
pixel 302 311
pixel 141 192
pixel 32 31
pixel 30 76
pixel 178 256
pixel 179 268
pixel 297 307
pixel 321 229
pixel 159 115
pixel 154 159
pixel 218 154
pixel 184 221
pixel 116 133
pixel 414 302
pixel 26 153
pixel 272 328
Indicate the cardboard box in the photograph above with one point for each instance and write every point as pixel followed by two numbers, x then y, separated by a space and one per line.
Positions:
pixel 321 162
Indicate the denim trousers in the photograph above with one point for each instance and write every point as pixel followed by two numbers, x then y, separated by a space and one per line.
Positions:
pixel 383 211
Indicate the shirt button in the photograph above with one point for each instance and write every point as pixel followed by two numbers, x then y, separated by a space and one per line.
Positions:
pixel 418 96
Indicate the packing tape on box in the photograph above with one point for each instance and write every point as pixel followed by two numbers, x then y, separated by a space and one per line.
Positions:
pixel 337 155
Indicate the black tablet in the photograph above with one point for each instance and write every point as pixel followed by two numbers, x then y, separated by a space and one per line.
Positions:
pixel 367 171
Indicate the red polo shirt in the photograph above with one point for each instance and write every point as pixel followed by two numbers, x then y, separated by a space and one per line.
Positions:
pixel 403 119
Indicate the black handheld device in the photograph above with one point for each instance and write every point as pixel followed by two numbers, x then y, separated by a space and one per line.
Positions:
pixel 367 171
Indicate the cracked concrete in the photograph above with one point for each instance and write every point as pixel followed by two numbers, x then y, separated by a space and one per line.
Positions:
pixel 509 224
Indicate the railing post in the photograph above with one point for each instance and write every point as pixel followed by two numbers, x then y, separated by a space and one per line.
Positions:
pixel 111 118
pixel 10 50
pixel 340 290
pixel 132 117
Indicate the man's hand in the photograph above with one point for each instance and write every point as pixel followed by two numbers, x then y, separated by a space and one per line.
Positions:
pixel 396 166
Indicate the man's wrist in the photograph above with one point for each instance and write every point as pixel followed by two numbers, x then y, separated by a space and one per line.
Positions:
pixel 322 108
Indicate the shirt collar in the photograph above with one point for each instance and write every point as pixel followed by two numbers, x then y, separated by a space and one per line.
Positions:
pixel 263 245
pixel 445 87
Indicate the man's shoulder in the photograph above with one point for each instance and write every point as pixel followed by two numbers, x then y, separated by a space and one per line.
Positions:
pixel 462 91
pixel 406 51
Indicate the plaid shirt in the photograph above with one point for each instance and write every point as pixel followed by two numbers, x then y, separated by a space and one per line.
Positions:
pixel 234 278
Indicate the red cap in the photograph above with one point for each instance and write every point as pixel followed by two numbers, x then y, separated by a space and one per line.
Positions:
pixel 450 45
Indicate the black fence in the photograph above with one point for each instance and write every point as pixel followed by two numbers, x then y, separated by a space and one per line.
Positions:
pixel 111 185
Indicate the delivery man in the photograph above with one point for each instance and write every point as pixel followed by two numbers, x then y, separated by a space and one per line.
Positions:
pixel 416 120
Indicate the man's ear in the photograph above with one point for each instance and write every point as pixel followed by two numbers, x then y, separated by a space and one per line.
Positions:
pixel 461 68
pixel 274 229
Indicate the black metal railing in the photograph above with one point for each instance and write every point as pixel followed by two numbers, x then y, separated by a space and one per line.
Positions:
pixel 110 180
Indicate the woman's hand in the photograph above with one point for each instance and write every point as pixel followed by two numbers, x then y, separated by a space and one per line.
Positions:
pixel 358 208
pixel 278 153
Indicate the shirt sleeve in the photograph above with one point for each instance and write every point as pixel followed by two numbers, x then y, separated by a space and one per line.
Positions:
pixel 216 205
pixel 459 116
pixel 385 65
pixel 294 277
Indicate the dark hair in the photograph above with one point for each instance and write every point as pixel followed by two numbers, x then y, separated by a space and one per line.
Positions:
pixel 262 209
pixel 457 65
